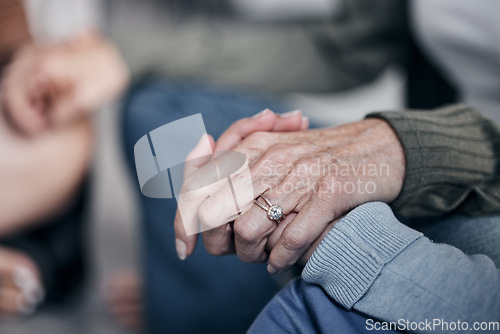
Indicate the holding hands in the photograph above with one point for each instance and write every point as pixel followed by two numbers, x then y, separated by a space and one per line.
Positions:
pixel 47 86
pixel 312 177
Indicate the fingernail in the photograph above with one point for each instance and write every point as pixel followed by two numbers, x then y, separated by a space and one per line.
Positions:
pixel 181 249
pixel 291 113
pixel 305 119
pixel 271 269
pixel 263 112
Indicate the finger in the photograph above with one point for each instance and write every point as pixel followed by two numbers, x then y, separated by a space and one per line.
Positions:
pixel 266 120
pixel 263 121
pixel 219 207
pixel 20 85
pixel 267 170
pixel 25 114
pixel 289 121
pixel 189 201
pixel 219 241
pixel 273 239
pixel 233 172
pixel 304 124
pixel 184 244
pixel 65 103
pixel 252 228
pixel 218 234
pixel 299 235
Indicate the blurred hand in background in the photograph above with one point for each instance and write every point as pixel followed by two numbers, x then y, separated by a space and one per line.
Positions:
pixel 49 86
pixel 20 284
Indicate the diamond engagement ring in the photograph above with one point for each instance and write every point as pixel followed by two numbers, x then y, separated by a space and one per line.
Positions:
pixel 274 212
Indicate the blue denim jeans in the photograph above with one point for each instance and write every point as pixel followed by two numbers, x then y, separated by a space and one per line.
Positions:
pixel 302 307
pixel 203 294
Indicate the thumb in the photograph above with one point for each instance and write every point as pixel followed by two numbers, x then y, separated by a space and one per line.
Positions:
pixel 184 244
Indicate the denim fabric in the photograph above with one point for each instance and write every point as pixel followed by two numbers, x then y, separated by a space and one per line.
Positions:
pixel 203 294
pixel 304 308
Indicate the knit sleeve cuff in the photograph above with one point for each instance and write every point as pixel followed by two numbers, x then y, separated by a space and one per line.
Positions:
pixel 446 150
pixel 354 252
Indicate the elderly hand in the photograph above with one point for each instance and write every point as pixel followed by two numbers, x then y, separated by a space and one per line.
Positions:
pixel 314 176
pixel 265 120
pixel 52 85
pixel 20 285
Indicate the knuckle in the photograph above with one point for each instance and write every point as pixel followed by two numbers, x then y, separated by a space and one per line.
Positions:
pixel 247 231
pixel 278 153
pixel 306 161
pixel 253 254
pixel 256 141
pixel 292 240
pixel 305 166
pixel 216 242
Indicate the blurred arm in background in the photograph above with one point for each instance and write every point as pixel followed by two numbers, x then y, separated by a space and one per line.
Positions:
pixel 41 185
pixel 77 71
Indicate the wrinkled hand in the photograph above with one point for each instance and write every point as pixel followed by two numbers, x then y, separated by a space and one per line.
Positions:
pixel 266 120
pixel 48 86
pixel 20 285
pixel 315 176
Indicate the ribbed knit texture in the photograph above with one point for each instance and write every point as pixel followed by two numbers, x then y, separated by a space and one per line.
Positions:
pixel 452 161
pixel 352 255
pixel 371 263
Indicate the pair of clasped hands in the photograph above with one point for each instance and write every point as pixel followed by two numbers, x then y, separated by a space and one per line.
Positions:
pixel 300 183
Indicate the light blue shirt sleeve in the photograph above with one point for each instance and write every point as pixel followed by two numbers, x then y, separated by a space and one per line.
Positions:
pixel 372 263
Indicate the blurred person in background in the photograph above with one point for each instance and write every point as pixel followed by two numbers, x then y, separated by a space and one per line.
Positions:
pixel 44 162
